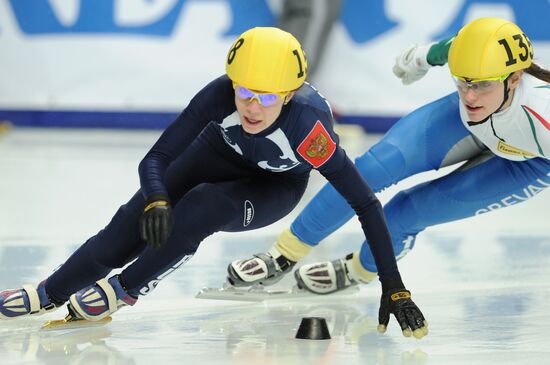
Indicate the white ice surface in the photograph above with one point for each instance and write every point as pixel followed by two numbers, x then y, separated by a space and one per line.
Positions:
pixel 482 283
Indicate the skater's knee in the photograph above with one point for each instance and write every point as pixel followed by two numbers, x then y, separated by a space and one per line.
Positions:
pixel 382 166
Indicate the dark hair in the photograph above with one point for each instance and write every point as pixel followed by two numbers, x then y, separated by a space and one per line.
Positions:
pixel 538 72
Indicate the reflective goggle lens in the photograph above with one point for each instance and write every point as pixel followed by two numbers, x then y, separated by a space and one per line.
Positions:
pixel 264 99
pixel 480 86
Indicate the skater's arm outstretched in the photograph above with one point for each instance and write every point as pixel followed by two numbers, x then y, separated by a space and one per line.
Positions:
pixel 156 221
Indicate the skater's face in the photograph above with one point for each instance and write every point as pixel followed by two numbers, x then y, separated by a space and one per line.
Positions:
pixel 258 110
pixel 483 98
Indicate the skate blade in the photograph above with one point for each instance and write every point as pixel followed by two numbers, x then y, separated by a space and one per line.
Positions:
pixel 69 322
pixel 260 294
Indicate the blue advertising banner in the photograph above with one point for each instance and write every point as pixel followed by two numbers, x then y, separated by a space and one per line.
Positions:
pixel 136 63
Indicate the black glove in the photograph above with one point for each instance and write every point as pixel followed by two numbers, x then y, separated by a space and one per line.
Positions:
pixel 156 222
pixel 398 301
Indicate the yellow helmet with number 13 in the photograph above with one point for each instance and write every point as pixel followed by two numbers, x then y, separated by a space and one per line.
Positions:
pixel 489 48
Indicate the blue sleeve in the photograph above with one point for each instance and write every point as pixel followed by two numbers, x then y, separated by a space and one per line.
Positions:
pixel 212 103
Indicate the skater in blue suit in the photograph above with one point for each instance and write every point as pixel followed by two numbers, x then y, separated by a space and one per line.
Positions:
pixel 237 158
pixel 497 124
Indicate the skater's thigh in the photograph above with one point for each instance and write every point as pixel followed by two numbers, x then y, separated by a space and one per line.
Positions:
pixel 260 201
pixel 421 140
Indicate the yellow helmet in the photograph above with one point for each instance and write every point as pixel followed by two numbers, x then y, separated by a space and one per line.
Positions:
pixel 489 48
pixel 267 59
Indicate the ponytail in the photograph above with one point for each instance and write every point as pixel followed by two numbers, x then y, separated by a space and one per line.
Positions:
pixel 538 72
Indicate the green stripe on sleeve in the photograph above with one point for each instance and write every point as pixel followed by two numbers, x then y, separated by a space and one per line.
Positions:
pixel 438 53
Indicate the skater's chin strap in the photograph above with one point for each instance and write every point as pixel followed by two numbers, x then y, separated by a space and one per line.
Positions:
pixel 490 116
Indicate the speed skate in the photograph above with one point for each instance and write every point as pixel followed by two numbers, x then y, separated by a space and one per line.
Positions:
pixel 259 293
pixel 71 322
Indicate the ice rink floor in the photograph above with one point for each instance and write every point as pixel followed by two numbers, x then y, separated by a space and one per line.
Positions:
pixel 483 283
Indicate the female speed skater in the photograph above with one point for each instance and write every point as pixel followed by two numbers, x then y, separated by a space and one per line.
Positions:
pixel 497 123
pixel 238 158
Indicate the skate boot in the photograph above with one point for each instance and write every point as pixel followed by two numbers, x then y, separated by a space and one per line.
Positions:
pixel 100 300
pixel 263 269
pixel 332 276
pixel 26 301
